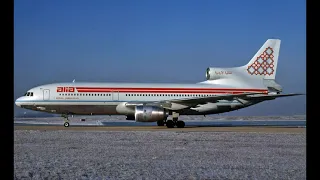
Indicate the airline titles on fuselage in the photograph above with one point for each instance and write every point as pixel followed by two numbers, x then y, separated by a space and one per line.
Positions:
pixel 65 89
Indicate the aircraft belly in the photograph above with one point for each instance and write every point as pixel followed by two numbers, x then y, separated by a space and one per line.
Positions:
pixel 79 109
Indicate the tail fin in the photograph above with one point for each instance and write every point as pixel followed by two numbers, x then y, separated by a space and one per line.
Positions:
pixel 264 62
pixel 260 71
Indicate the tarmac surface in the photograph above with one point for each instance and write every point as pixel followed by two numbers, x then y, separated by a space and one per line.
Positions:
pixel 222 125
pixel 155 128
pixel 254 149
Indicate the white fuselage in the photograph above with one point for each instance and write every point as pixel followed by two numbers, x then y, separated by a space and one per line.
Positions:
pixel 103 98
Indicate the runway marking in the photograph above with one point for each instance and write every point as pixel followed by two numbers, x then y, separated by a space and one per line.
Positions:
pixel 156 128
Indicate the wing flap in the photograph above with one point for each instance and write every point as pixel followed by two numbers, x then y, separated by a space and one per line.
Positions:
pixel 271 96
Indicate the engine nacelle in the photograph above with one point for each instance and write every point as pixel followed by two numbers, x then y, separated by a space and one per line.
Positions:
pixel 124 110
pixel 150 113
pixel 218 73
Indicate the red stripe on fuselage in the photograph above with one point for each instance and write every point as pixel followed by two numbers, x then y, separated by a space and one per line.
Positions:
pixel 166 92
pixel 168 89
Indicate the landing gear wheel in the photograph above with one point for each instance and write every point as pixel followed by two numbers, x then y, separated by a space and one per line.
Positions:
pixel 66 124
pixel 160 123
pixel 180 124
pixel 170 124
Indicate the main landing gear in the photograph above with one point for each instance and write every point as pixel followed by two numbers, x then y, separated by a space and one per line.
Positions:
pixel 66 120
pixel 175 122
pixel 172 123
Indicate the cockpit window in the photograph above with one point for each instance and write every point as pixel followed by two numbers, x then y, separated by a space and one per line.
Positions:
pixel 29 94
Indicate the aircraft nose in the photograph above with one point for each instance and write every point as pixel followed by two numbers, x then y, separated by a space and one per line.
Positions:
pixel 18 103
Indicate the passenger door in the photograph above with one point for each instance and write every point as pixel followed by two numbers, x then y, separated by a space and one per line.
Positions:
pixel 115 96
pixel 46 94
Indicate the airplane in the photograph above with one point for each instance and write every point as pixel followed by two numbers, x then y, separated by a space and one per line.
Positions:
pixel 225 89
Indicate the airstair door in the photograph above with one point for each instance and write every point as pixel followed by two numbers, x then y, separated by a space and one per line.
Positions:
pixel 46 94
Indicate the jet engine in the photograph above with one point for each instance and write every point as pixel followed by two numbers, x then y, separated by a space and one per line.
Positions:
pixel 218 73
pixel 150 113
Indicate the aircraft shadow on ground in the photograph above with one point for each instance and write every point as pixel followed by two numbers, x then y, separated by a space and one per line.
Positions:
pixel 220 124
pixel 301 123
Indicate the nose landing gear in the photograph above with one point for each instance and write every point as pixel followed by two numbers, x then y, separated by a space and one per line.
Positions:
pixel 66 124
pixel 66 120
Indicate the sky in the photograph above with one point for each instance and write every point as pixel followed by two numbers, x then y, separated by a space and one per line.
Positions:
pixel 162 41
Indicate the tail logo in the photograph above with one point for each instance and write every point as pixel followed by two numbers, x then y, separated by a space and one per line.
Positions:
pixel 263 65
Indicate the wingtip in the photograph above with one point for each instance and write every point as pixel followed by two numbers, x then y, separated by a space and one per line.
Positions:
pixel 296 94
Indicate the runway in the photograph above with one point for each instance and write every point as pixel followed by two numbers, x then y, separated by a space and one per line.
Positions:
pixel 186 129
pixel 297 126
pixel 111 149
pixel 151 152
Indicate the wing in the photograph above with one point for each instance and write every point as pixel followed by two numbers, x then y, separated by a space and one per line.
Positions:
pixel 213 99
pixel 177 104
